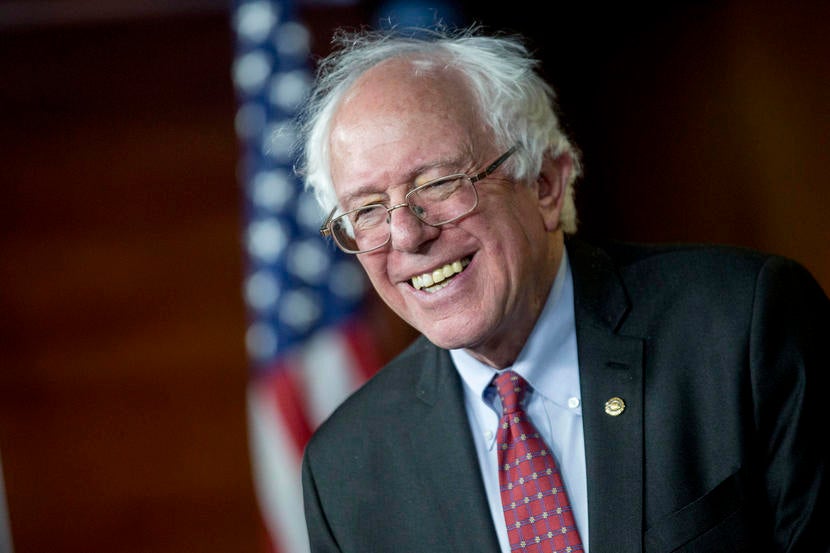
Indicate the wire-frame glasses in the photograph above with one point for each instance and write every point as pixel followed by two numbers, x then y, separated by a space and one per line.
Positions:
pixel 435 203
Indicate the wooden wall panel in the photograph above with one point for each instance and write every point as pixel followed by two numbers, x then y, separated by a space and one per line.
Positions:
pixel 122 389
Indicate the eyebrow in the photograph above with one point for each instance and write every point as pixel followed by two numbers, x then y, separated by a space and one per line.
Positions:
pixel 350 200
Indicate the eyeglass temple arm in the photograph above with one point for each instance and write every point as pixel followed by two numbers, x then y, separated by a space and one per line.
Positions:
pixel 495 165
pixel 325 230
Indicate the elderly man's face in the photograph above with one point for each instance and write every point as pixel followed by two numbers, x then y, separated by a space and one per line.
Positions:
pixel 394 132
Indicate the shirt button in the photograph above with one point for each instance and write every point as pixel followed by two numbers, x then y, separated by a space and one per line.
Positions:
pixel 488 435
pixel 573 402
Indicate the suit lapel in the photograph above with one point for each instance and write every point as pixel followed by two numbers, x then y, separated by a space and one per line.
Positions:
pixel 610 366
pixel 441 439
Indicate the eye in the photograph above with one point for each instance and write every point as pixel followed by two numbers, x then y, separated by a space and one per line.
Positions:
pixel 439 190
pixel 368 217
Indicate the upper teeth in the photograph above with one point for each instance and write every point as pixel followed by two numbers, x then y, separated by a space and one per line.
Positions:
pixel 427 280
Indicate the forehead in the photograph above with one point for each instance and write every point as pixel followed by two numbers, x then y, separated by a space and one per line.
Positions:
pixel 400 85
pixel 398 117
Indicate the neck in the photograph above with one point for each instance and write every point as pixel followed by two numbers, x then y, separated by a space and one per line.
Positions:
pixel 503 348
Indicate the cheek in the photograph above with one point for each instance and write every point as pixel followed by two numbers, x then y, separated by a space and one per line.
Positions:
pixel 371 266
pixel 375 268
pixel 508 232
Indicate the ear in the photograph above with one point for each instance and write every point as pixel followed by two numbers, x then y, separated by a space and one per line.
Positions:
pixel 551 186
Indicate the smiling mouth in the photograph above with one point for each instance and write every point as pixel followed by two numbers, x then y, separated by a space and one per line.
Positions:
pixel 439 278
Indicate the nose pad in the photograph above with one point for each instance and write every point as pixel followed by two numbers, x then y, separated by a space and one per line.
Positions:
pixel 406 231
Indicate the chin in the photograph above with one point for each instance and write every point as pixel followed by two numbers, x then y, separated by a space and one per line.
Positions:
pixel 460 339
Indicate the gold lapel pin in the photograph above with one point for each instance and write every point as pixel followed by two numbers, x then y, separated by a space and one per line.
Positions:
pixel 614 406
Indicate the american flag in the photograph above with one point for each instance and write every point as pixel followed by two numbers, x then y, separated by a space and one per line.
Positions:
pixel 307 344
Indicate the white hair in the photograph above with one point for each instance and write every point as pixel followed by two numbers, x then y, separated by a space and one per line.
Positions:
pixel 513 100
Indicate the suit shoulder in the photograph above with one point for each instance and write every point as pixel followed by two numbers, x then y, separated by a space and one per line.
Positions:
pixel 689 264
pixel 627 254
pixel 725 264
pixel 379 398
pixel 675 279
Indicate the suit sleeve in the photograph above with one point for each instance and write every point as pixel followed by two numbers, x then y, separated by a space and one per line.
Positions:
pixel 790 362
pixel 320 535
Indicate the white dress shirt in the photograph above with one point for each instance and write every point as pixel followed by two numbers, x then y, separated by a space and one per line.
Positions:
pixel 549 363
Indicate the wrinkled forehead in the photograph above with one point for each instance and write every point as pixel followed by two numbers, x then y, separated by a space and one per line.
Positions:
pixel 403 90
pixel 400 79
pixel 400 115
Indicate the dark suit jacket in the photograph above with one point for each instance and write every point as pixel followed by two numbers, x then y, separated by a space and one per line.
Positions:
pixel 720 357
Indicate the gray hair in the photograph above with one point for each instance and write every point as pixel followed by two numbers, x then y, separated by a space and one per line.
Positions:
pixel 513 99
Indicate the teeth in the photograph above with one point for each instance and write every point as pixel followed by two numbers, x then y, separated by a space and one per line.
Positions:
pixel 431 281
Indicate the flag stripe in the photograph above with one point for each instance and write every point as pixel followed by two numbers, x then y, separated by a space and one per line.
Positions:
pixel 288 399
pixel 276 472
pixel 363 348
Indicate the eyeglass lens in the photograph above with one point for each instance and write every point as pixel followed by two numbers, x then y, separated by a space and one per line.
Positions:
pixel 435 204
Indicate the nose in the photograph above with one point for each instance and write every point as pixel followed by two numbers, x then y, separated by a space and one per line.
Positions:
pixel 407 232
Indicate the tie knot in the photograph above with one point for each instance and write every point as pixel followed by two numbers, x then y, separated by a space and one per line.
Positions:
pixel 511 388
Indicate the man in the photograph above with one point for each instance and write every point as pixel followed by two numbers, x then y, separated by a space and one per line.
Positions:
pixel 563 397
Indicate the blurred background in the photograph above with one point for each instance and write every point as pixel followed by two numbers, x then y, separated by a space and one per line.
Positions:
pixel 138 283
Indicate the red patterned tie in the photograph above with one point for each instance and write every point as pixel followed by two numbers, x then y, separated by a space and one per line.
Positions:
pixel 536 507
